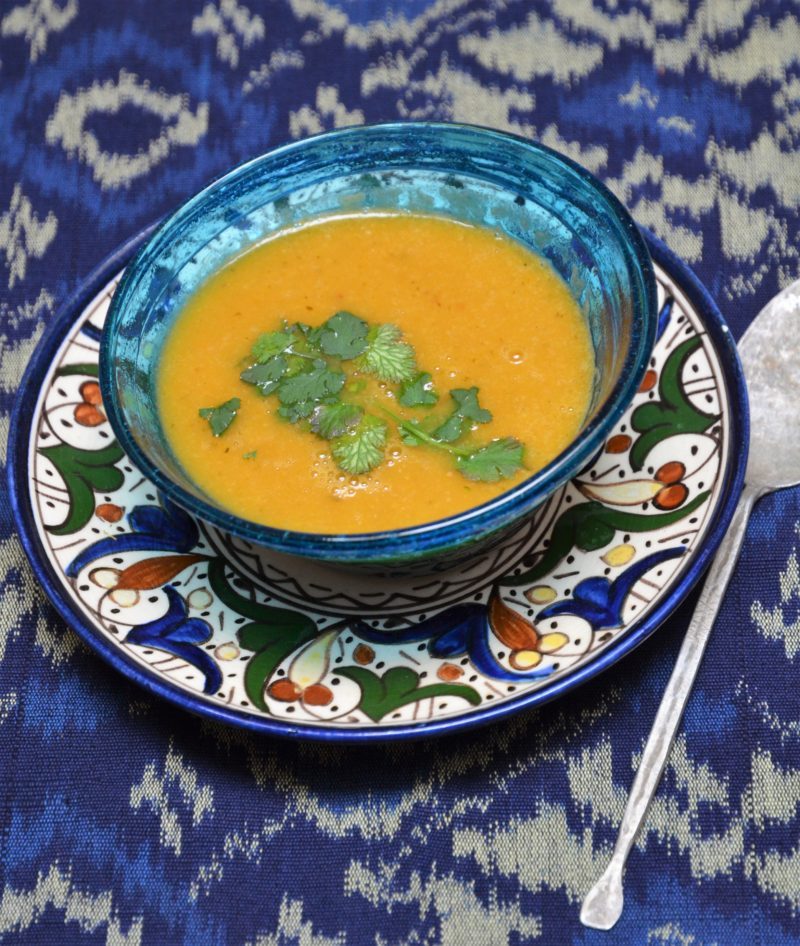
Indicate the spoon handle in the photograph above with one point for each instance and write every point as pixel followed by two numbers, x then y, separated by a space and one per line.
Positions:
pixel 602 906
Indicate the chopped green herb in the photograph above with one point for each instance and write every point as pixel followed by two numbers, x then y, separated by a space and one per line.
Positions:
pixel 451 429
pixel 333 420
pixel 314 385
pixel 221 417
pixel 466 410
pixel 497 460
pixel 297 363
pixel 411 433
pixel 419 392
pixel 295 412
pixel 343 335
pixel 249 456
pixel 494 461
pixel 270 344
pixel 305 367
pixel 467 405
pixel 362 449
pixel 388 358
pixel 266 375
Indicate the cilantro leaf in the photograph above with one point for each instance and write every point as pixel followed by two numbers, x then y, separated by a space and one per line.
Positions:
pixel 361 450
pixel 497 460
pixel 414 434
pixel 305 367
pixel 467 405
pixel 388 358
pixel 419 392
pixel 297 363
pixel 411 433
pixel 314 385
pixel 295 412
pixel 466 409
pixel 250 455
pixel 334 420
pixel 265 376
pixel 494 461
pixel 221 417
pixel 451 429
pixel 269 344
pixel 343 335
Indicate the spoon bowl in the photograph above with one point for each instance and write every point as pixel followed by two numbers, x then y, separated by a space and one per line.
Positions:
pixel 772 368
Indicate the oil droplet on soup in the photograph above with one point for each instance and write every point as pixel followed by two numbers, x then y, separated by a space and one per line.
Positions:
pixel 478 308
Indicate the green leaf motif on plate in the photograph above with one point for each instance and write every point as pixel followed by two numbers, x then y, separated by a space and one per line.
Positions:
pixel 397 687
pixel 86 368
pixel 590 526
pixel 673 414
pixel 273 633
pixel 84 472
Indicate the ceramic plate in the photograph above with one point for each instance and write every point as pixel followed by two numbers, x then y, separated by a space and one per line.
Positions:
pixel 255 639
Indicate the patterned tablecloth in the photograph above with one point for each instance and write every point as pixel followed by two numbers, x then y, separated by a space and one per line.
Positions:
pixel 126 821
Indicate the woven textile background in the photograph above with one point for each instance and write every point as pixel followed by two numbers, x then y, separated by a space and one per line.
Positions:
pixel 126 822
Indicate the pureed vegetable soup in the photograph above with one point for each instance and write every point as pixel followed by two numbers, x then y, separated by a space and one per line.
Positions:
pixel 372 372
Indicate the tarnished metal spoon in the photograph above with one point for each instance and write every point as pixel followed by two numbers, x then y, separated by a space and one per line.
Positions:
pixel 770 353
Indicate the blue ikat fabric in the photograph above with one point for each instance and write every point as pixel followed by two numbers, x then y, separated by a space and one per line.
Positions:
pixel 126 822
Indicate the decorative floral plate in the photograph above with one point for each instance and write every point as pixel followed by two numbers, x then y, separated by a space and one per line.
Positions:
pixel 297 649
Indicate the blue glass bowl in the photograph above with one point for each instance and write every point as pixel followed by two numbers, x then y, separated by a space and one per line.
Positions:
pixel 475 175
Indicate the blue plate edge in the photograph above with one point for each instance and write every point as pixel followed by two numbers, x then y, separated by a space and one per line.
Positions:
pixel 22 512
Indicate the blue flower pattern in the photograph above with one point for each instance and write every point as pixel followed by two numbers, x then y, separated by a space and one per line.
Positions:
pixel 164 528
pixel 600 601
pixel 178 634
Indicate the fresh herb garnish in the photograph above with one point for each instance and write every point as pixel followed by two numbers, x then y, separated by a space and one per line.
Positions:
pixel 333 420
pixel 296 412
pixel 362 449
pixel 466 412
pixel 419 392
pixel 496 460
pixel 221 417
pixel 250 455
pixel 343 335
pixel 266 375
pixel 312 385
pixel 309 369
pixel 270 344
pixel 388 358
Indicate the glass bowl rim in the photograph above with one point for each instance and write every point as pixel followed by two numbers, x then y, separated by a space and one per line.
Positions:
pixel 442 534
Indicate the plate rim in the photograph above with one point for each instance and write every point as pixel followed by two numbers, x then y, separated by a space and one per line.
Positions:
pixel 22 512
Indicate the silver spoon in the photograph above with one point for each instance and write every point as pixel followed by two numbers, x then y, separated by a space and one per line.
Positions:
pixel 770 353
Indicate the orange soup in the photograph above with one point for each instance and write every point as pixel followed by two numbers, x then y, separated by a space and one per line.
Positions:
pixel 491 375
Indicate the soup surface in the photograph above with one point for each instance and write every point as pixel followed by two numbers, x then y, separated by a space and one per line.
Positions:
pixel 479 310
